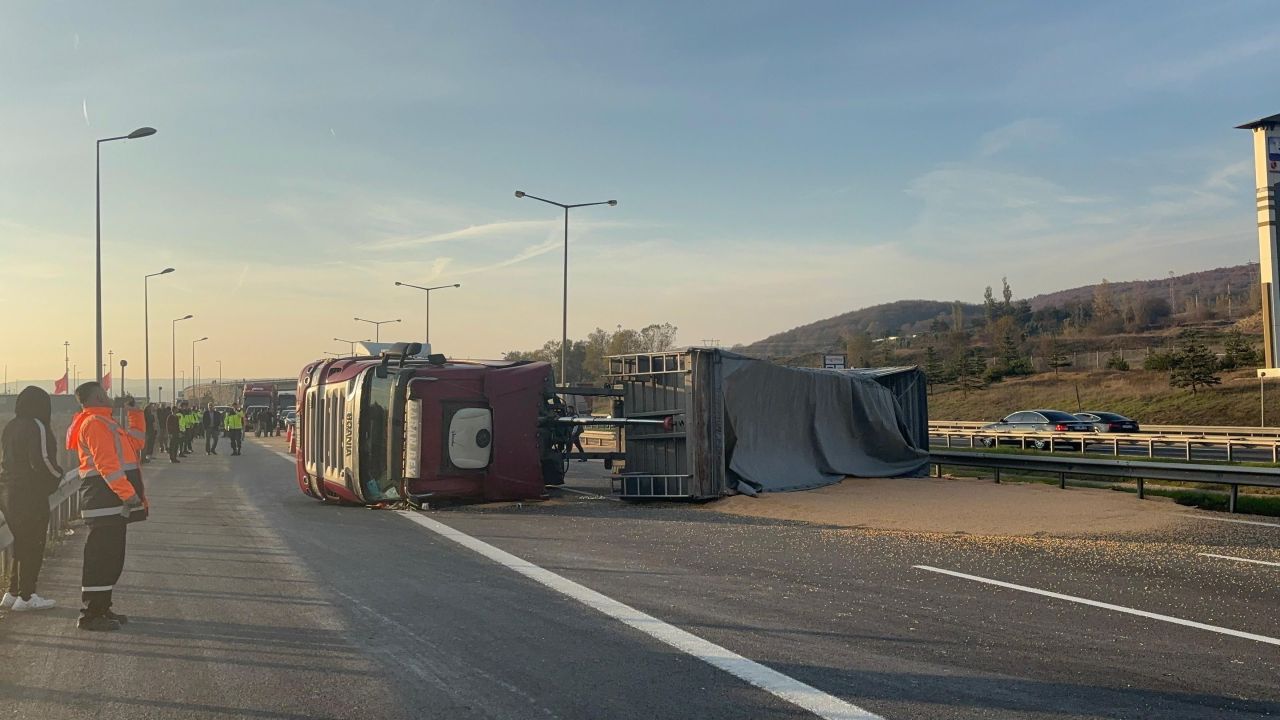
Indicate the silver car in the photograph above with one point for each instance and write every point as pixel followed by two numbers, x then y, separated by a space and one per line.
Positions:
pixel 1037 421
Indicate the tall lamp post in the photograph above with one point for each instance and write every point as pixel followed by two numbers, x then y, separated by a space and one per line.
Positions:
pixel 146 323
pixel 564 324
pixel 428 291
pixel 193 359
pixel 219 373
pixel 351 352
pixel 377 327
pixel 139 133
pixel 173 354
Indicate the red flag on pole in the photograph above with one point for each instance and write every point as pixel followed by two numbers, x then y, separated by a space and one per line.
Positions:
pixel 106 382
pixel 60 385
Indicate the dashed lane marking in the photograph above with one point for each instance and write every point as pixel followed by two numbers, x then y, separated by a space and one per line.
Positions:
pixel 1106 606
pixel 1240 559
pixel 771 681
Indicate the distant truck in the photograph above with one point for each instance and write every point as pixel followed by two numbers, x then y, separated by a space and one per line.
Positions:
pixel 256 397
pixel 384 429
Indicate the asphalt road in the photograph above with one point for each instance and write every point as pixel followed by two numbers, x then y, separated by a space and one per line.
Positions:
pixel 250 600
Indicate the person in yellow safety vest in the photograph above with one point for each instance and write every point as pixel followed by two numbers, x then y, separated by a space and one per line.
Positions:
pixel 107 498
pixel 233 424
pixel 182 430
pixel 193 422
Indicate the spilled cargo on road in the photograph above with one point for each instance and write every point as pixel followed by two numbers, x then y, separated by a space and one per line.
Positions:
pixel 405 425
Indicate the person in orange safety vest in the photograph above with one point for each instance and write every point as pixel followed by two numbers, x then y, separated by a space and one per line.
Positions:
pixel 135 427
pixel 107 499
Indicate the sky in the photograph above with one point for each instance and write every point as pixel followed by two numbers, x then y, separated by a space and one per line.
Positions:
pixel 774 164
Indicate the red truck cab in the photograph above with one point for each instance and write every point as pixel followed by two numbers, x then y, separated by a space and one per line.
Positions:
pixel 396 427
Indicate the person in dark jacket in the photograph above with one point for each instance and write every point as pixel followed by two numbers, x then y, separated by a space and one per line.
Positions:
pixel 173 428
pixel 149 415
pixel 29 474
pixel 212 423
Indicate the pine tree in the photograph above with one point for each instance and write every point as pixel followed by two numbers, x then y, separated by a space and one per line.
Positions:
pixel 933 369
pixel 1194 365
pixel 1239 352
pixel 973 370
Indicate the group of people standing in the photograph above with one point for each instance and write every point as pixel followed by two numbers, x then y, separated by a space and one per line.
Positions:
pixel 111 442
pixel 175 429
pixel 110 449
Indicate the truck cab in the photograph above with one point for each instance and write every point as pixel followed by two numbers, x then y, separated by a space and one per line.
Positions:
pixel 375 430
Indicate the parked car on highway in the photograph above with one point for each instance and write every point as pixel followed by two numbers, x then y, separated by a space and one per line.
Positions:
pixel 290 417
pixel 1108 422
pixel 1037 421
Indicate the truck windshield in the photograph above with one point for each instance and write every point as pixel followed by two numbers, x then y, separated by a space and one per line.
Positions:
pixel 376 446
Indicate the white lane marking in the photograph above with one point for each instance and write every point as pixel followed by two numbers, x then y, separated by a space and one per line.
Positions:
pixel 767 679
pixel 1106 606
pixel 1240 559
pixel 1230 520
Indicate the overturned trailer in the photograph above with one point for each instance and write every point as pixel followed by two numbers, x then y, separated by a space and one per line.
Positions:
pixel 747 426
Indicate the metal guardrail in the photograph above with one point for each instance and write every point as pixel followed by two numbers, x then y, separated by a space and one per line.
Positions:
pixel 1247 431
pixel 1080 442
pixel 1233 476
pixel 64 506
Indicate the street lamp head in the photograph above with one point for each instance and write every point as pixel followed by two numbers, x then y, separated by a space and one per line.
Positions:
pixel 457 284
pixel 201 339
pixel 141 133
pixel 398 283
pixel 519 193
pixel 166 271
pixel 613 203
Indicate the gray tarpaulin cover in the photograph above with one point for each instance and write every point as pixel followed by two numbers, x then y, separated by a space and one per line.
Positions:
pixel 797 428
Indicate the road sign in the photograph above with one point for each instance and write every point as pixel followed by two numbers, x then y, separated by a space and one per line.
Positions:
pixel 833 362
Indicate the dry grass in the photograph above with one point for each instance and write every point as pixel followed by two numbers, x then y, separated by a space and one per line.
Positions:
pixel 1144 396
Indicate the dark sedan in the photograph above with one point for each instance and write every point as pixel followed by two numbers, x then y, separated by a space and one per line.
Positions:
pixel 1037 421
pixel 1108 422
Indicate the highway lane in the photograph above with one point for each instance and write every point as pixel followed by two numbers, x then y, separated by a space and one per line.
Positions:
pixel 252 600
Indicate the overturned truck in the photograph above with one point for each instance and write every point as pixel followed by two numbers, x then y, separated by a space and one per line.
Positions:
pixel 748 426
pixel 694 424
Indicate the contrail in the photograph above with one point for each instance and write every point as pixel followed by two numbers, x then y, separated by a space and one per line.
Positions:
pixel 84 107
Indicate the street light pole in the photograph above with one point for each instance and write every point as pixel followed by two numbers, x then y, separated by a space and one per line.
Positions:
pixel 193 359
pixel 146 324
pixel 173 355
pixel 428 291
pixel 352 350
pixel 219 374
pixel 377 327
pixel 97 182
pixel 564 320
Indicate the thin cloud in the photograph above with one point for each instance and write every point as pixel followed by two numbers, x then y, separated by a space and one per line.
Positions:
pixel 1027 131
pixel 84 108
pixel 528 253
pixel 511 227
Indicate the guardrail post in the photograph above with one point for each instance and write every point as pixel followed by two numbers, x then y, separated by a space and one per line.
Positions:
pixel 1151 448
pixel 1230 455
pixel 1188 450
pixel 1062 480
pixel 997 476
pixel 1142 490
pixel 1115 447
pixel 1274 458
pixel 1235 495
